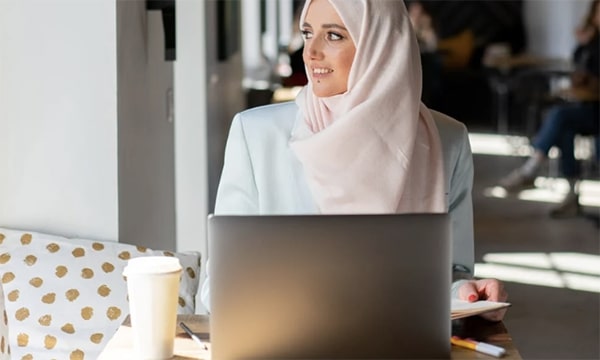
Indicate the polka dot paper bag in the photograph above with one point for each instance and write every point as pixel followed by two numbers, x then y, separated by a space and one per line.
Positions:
pixel 65 298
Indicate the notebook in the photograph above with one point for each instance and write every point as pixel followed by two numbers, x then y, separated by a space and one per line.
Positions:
pixel 330 286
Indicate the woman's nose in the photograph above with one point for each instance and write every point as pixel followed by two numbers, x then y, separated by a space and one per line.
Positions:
pixel 314 49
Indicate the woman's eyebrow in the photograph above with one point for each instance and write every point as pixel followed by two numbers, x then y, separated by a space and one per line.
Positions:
pixel 334 26
pixel 327 26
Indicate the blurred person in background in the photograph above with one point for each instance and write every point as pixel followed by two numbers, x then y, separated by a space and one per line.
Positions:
pixel 431 61
pixel 576 114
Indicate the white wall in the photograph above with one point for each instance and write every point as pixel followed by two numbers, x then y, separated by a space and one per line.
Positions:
pixel 58 117
pixel 190 126
pixel 550 25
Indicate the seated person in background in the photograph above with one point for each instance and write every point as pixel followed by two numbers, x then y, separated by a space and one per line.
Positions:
pixel 578 115
pixel 357 139
pixel 431 61
pixel 423 26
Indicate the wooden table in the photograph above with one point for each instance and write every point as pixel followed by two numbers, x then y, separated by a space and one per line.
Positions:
pixel 120 347
pixel 482 330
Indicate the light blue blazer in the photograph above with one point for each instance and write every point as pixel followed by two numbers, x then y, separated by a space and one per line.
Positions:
pixel 262 175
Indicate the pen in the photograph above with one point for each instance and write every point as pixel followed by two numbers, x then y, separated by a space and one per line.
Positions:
pixel 482 347
pixel 193 336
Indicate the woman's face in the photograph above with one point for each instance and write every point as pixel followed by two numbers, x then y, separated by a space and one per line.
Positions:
pixel 328 49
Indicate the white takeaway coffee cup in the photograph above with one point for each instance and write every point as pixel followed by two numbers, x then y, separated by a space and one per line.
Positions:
pixel 153 291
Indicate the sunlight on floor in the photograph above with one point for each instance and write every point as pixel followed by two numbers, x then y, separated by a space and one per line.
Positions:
pixel 547 189
pixel 490 144
pixel 573 262
pixel 576 271
pixel 512 145
pixel 552 190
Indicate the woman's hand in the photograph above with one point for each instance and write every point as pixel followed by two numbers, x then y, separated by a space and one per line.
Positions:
pixel 485 289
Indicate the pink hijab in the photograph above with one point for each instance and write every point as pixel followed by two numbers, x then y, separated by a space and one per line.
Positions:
pixel 374 148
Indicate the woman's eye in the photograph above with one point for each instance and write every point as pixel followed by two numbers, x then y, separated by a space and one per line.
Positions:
pixel 306 34
pixel 334 36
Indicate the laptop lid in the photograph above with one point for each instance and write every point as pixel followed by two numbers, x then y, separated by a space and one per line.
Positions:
pixel 330 286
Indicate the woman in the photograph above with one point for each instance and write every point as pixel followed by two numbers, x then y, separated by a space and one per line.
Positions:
pixel 357 139
pixel 579 115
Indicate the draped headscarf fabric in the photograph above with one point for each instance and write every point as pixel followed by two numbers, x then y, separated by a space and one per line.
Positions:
pixel 374 148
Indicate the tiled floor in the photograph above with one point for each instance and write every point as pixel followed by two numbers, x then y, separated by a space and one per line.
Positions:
pixel 549 260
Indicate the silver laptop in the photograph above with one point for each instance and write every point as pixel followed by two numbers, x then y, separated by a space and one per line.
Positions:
pixel 330 286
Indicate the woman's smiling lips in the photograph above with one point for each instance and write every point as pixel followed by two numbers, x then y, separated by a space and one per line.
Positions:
pixel 318 73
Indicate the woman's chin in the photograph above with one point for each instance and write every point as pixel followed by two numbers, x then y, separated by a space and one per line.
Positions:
pixel 324 93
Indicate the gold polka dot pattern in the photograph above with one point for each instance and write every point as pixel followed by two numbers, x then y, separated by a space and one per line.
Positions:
pixel 76 355
pixel 26 239
pixel 87 313
pixel 22 314
pixel 78 252
pixel 87 273
pixel 36 282
pixel 45 320
pixel 96 338
pixel 61 271
pixel 68 328
pixel 103 291
pixel 8 277
pixel 113 313
pixel 67 297
pixel 108 267
pixel 49 298
pixel 72 294
pixel 13 295
pixel 22 339
pixel 49 342
pixel 4 258
pixel 4 336
pixel 191 273
pixel 30 260
pixel 53 247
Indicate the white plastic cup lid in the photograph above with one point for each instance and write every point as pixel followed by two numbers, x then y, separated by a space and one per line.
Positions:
pixel 152 265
